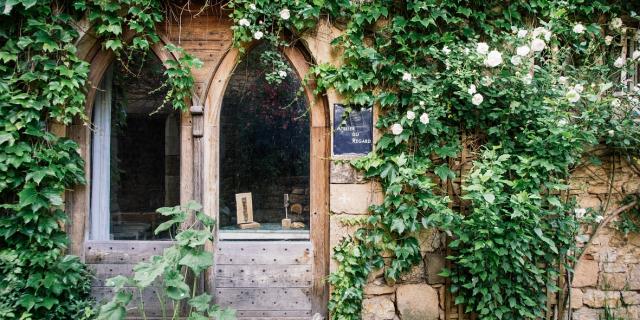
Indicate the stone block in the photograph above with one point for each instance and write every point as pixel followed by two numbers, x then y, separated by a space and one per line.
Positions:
pixel 434 264
pixel 354 198
pixel 630 298
pixel 586 274
pixel 417 302
pixel 586 314
pixel 576 298
pixel 375 289
pixel 613 281
pixel 415 275
pixel 599 299
pixel 613 267
pixel 589 201
pixel 378 308
pixel 634 277
pixel 339 230
pixel 344 172
pixel 430 240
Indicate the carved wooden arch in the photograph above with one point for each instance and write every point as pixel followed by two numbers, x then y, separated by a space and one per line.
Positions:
pixel 319 162
pixel 78 200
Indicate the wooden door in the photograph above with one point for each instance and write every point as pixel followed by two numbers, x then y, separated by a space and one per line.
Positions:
pixel 265 279
pixel 274 277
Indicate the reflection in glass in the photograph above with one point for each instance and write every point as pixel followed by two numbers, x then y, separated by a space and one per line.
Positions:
pixel 264 149
pixel 140 149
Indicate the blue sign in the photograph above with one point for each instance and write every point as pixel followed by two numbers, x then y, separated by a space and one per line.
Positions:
pixel 353 133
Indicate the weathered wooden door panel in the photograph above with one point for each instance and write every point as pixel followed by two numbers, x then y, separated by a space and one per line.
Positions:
pixel 265 279
pixel 107 259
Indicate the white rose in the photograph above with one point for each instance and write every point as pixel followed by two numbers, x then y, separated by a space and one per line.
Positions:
pixel 282 74
pixel 611 133
pixel 616 103
pixel 252 6
pixel 244 22
pixel 424 118
pixel 411 115
pixel 538 31
pixel 619 63
pixel 477 99
pixel 635 55
pixel 396 129
pixel 522 33
pixel 562 80
pixel 579 88
pixel 258 35
pixel 446 50
pixel 406 76
pixel 523 51
pixel 285 14
pixel 516 60
pixel 527 79
pixel 482 48
pixel 562 122
pixel 578 28
pixel 538 45
pixel 573 96
pixel 580 212
pixel 616 23
pixel 608 40
pixel 472 89
pixel 494 59
pixel 599 218
pixel 421 103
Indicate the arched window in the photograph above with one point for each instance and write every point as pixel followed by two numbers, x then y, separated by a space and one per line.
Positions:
pixel 264 154
pixel 135 148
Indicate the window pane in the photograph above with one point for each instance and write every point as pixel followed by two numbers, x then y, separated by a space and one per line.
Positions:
pixel 264 149
pixel 144 148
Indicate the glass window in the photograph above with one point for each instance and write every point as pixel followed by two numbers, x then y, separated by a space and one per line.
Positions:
pixel 264 154
pixel 135 152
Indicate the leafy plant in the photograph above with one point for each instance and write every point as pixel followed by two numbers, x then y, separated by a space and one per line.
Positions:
pixel 42 86
pixel 533 82
pixel 172 269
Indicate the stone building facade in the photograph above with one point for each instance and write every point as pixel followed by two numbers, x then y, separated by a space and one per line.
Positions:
pixel 607 278
pixel 606 281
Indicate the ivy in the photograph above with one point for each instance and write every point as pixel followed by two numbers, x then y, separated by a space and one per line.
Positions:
pixel 533 82
pixel 42 86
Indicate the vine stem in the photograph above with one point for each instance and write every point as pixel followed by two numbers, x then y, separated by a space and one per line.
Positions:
pixel 602 225
pixel 144 314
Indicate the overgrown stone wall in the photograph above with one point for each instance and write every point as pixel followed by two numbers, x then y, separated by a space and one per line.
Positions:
pixel 608 276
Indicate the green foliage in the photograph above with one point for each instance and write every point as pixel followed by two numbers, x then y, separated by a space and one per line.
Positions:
pixel 172 269
pixel 42 85
pixel 438 69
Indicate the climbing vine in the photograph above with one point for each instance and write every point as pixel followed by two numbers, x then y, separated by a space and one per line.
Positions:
pixel 42 86
pixel 537 82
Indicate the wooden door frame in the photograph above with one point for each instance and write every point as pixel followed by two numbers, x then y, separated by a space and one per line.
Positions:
pixel 77 201
pixel 319 163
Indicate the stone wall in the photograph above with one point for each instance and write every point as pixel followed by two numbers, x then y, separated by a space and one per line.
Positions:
pixel 608 277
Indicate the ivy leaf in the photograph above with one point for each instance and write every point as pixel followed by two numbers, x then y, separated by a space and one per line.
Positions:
pixel 197 260
pixel 489 197
pixel 548 241
pixel 201 302
pixel 146 272
pixel 398 225
pixel 444 172
pixel 554 201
